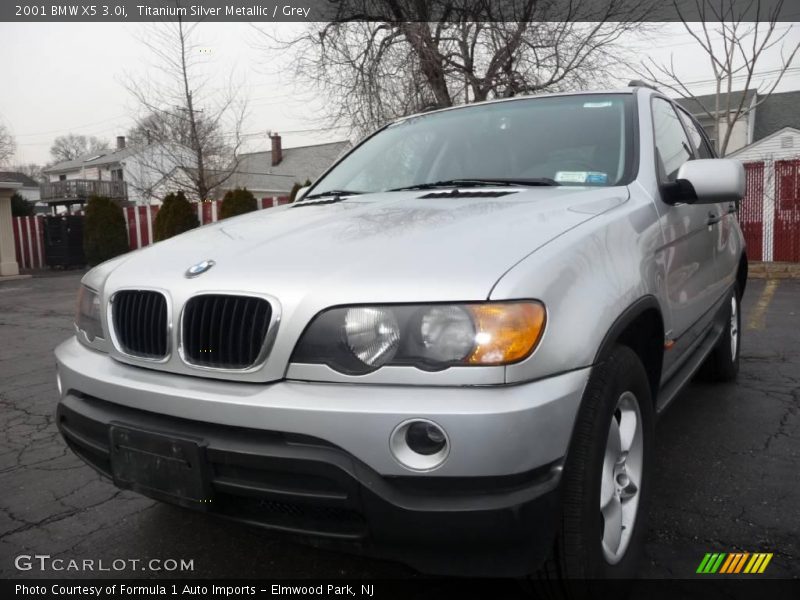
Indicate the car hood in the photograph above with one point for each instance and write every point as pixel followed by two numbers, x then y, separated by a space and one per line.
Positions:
pixel 384 247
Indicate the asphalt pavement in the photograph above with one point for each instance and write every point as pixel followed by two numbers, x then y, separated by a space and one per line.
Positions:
pixel 727 471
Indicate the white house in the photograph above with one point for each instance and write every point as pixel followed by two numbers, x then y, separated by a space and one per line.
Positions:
pixel 265 174
pixel 146 174
pixel 782 144
pixel 125 173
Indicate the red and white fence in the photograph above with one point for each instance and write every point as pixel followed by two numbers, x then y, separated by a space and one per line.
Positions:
pixel 751 210
pixel 139 219
pixel 787 211
pixel 28 242
pixel 29 231
pixel 770 211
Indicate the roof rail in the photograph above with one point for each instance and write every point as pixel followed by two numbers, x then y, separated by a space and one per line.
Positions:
pixel 640 83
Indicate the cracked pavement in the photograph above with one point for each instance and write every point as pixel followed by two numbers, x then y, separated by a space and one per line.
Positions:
pixel 726 472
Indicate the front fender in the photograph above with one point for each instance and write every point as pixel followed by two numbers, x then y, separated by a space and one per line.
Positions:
pixel 587 278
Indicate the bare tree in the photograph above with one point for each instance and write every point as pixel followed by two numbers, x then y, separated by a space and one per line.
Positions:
pixel 32 170
pixel 734 36
pixel 389 59
pixel 7 144
pixel 188 135
pixel 73 145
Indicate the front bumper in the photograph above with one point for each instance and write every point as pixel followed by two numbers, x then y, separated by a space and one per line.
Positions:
pixel 313 460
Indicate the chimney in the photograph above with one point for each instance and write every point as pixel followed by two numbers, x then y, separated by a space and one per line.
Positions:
pixel 120 142
pixel 277 151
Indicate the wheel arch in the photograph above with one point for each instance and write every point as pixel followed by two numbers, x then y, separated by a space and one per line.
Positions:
pixel 741 274
pixel 640 327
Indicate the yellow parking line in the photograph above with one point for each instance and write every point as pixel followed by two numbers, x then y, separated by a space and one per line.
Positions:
pixel 758 317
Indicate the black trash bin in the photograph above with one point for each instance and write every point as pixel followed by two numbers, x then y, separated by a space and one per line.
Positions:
pixel 63 241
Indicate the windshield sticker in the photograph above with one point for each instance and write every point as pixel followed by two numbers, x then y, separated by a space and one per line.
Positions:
pixel 593 177
pixel 571 176
pixel 597 177
pixel 603 104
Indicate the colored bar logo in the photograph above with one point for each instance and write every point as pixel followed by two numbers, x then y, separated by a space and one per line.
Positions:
pixel 729 563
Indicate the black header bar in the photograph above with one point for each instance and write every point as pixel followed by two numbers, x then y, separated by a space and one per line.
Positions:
pixel 394 10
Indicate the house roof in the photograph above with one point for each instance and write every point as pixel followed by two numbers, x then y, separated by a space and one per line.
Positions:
pixel 255 170
pixel 778 111
pixel 17 177
pixel 700 104
pixel 212 176
pixel 92 159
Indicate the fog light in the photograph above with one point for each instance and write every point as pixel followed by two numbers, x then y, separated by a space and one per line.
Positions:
pixel 58 382
pixel 419 445
pixel 425 438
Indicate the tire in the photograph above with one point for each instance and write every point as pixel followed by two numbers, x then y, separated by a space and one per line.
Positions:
pixel 722 363
pixel 592 543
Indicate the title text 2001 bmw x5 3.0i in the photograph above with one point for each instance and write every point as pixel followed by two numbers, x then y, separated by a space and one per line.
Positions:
pixel 450 352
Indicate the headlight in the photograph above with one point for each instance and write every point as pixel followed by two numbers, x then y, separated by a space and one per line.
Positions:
pixel 372 335
pixel 87 316
pixel 357 340
pixel 447 333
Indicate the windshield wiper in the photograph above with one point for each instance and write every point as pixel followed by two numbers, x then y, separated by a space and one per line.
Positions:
pixel 332 193
pixel 478 182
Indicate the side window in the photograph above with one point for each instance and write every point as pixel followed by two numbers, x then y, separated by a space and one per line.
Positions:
pixel 698 139
pixel 672 145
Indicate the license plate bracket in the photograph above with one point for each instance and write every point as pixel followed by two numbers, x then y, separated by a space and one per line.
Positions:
pixel 160 465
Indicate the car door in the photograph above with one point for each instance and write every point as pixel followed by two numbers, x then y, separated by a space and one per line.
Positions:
pixel 727 245
pixel 691 275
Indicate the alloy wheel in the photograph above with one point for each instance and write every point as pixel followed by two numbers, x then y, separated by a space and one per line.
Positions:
pixel 734 328
pixel 621 478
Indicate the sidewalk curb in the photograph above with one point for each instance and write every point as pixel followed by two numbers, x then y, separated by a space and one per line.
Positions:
pixel 773 270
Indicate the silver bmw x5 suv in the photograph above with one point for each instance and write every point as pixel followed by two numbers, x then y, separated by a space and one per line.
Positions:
pixel 450 352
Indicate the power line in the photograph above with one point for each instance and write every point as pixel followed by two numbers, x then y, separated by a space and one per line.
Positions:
pixel 68 130
pixel 792 72
pixel 285 131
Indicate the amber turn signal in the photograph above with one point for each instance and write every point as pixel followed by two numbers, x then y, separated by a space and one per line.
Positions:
pixel 505 332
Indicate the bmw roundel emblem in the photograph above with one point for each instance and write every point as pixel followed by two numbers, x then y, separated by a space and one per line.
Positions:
pixel 199 268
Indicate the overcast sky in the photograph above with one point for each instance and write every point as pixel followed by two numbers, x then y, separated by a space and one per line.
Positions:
pixel 61 77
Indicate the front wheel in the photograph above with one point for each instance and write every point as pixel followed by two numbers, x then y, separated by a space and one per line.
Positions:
pixel 606 474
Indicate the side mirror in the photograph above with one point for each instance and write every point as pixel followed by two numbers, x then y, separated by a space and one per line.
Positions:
pixel 707 181
pixel 301 193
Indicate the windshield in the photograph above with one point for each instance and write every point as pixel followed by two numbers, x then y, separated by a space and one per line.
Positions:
pixel 565 140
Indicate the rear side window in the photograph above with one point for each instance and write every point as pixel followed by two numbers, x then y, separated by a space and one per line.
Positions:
pixel 672 145
pixel 698 139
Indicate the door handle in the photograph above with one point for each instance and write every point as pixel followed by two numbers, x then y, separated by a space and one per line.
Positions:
pixel 713 219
